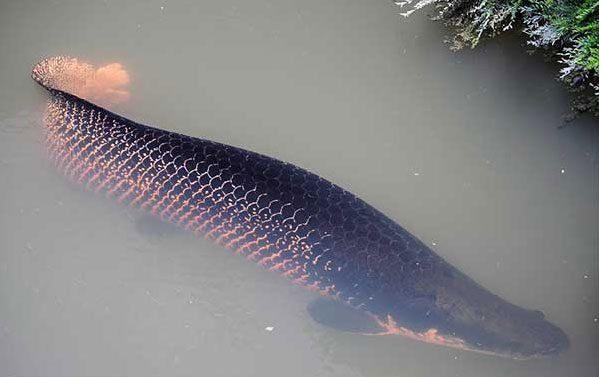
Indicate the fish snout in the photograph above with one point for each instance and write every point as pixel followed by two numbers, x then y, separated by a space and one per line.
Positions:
pixel 548 339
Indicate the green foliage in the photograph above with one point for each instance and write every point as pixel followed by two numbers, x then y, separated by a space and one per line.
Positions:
pixel 567 28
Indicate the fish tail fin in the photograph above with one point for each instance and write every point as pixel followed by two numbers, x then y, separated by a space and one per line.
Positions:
pixel 106 85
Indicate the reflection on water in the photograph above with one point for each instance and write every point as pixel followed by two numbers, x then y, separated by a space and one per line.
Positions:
pixel 462 149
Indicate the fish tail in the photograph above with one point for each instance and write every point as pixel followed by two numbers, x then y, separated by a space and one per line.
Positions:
pixel 104 86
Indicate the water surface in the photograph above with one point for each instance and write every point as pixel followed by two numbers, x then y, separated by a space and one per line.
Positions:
pixel 463 149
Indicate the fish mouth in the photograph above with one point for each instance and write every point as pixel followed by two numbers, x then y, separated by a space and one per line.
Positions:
pixel 550 344
pixel 523 351
pixel 549 341
pixel 533 338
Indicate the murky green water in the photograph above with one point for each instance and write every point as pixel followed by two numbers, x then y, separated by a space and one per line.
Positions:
pixel 462 149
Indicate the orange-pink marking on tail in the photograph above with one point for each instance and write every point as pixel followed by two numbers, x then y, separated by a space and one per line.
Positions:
pixel 104 86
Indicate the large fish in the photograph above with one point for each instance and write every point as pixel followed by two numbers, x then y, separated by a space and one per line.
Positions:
pixel 374 276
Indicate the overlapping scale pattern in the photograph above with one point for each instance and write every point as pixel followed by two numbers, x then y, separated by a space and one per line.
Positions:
pixel 278 215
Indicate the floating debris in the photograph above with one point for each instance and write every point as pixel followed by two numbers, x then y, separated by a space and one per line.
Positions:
pixel 153 298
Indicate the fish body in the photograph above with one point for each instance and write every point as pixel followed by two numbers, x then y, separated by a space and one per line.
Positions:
pixel 291 222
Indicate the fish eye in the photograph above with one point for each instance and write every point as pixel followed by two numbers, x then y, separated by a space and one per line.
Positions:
pixel 538 314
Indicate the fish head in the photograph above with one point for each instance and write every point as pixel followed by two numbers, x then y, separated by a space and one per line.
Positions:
pixel 448 308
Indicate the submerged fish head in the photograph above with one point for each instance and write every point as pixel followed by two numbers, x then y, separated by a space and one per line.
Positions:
pixel 451 309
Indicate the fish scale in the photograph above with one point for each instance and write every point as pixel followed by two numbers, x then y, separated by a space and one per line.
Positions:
pixel 289 221
pixel 274 213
